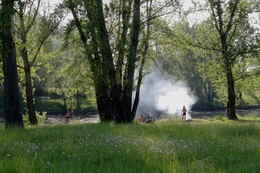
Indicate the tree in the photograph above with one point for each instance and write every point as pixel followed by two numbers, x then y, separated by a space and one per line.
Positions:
pixel 23 32
pixel 110 34
pixel 42 27
pixel 227 40
pixel 12 106
pixel 227 18
pixel 143 57
pixel 114 97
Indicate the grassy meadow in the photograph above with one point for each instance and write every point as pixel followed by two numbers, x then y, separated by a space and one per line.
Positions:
pixel 169 146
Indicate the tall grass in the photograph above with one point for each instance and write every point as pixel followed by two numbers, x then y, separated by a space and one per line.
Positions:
pixel 166 147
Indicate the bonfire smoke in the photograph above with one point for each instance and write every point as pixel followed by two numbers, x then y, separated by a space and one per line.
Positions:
pixel 159 94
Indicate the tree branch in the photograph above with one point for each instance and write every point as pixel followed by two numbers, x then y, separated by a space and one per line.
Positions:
pixel 257 73
pixel 231 18
pixel 30 24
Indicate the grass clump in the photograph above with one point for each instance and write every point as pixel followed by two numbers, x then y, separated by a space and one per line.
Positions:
pixel 169 147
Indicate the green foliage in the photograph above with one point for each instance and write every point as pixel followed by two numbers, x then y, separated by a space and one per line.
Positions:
pixel 41 116
pixel 49 105
pixel 209 146
pixel 186 63
pixel 193 53
pixel 1 100
pixel 220 118
pixel 203 104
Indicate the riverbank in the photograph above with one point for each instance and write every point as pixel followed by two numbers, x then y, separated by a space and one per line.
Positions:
pixel 93 117
pixel 222 113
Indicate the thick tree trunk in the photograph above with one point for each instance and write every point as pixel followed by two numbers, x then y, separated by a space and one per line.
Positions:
pixel 112 102
pixel 123 40
pixel 108 63
pixel 12 107
pixel 231 104
pixel 128 88
pixel 101 89
pixel 104 104
pixel 144 55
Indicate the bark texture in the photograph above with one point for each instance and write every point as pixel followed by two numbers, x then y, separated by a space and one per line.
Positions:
pixel 12 105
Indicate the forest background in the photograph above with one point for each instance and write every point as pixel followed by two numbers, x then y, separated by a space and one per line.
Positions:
pixel 55 72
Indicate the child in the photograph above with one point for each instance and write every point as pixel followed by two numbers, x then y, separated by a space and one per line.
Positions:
pixel 183 112
pixel 69 114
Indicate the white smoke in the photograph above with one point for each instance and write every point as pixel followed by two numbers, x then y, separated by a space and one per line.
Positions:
pixel 159 94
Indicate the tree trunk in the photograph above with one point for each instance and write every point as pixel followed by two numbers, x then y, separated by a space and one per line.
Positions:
pixel 108 63
pixel 210 91
pixel 28 86
pixel 77 100
pixel 123 40
pixel 104 103
pixel 27 73
pixel 231 104
pixel 113 102
pixel 29 97
pixel 128 87
pixel 143 59
pixel 223 28
pixel 12 106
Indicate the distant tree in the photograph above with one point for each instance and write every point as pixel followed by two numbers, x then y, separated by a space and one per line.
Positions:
pixel 229 38
pixel 12 106
pixel 237 40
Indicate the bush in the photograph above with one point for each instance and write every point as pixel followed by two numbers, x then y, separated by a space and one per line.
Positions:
pixel 41 116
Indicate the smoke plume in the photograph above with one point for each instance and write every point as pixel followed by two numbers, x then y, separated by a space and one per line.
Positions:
pixel 161 95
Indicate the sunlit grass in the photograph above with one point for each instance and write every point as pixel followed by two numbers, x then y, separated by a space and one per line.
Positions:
pixel 169 146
